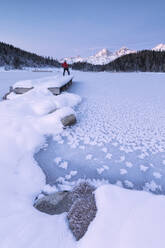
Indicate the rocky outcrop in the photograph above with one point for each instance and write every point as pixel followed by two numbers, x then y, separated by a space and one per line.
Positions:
pixel 55 203
pixel 79 204
pixel 68 120
pixel 83 210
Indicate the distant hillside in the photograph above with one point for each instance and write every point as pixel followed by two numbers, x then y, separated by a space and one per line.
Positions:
pixel 84 66
pixel 145 61
pixel 12 57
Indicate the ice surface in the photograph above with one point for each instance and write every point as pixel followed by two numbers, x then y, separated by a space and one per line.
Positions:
pixel 125 218
pixel 121 124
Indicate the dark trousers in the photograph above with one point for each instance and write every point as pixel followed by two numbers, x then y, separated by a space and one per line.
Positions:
pixel 66 69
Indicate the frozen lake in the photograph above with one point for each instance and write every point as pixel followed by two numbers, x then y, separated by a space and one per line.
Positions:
pixel 119 136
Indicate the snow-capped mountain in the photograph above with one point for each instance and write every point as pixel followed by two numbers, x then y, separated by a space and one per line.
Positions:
pixel 72 60
pixel 105 56
pixel 123 51
pixel 160 47
pixel 102 57
pixel 103 53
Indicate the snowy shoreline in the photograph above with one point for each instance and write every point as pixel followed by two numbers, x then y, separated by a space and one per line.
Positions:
pixel 125 218
pixel 25 120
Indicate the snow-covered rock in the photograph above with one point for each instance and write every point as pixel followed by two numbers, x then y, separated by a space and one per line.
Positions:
pixel 160 47
pixel 54 203
pixel 123 51
pixel 69 120
pixel 79 203
pixel 83 209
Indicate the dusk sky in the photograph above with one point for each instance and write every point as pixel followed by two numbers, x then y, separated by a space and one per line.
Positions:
pixel 70 28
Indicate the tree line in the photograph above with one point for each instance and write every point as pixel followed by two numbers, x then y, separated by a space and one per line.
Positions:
pixel 144 61
pixel 12 57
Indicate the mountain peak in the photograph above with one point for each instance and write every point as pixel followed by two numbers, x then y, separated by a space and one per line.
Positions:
pixel 160 47
pixel 103 53
pixel 104 56
pixel 123 51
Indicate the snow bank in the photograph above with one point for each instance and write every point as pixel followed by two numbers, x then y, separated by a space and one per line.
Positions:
pixel 126 219
pixel 25 120
pixel 8 78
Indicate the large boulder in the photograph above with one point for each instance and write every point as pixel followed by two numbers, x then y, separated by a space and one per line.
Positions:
pixel 82 211
pixel 55 203
pixel 79 204
pixel 68 120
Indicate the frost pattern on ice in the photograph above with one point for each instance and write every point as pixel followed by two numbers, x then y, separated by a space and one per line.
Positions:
pixel 121 124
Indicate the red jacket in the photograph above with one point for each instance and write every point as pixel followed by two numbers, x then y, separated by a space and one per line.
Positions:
pixel 65 65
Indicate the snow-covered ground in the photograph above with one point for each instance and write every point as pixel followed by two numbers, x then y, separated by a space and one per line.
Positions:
pixel 120 133
pixel 8 78
pixel 25 120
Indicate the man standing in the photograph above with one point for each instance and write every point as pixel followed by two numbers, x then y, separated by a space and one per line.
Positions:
pixel 66 68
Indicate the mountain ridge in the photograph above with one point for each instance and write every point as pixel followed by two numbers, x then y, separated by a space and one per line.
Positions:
pixel 104 56
pixel 160 47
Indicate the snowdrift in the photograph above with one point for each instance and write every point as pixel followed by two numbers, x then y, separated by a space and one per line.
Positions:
pixel 53 81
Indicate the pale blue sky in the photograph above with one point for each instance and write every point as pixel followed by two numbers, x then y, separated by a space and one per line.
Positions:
pixel 69 28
